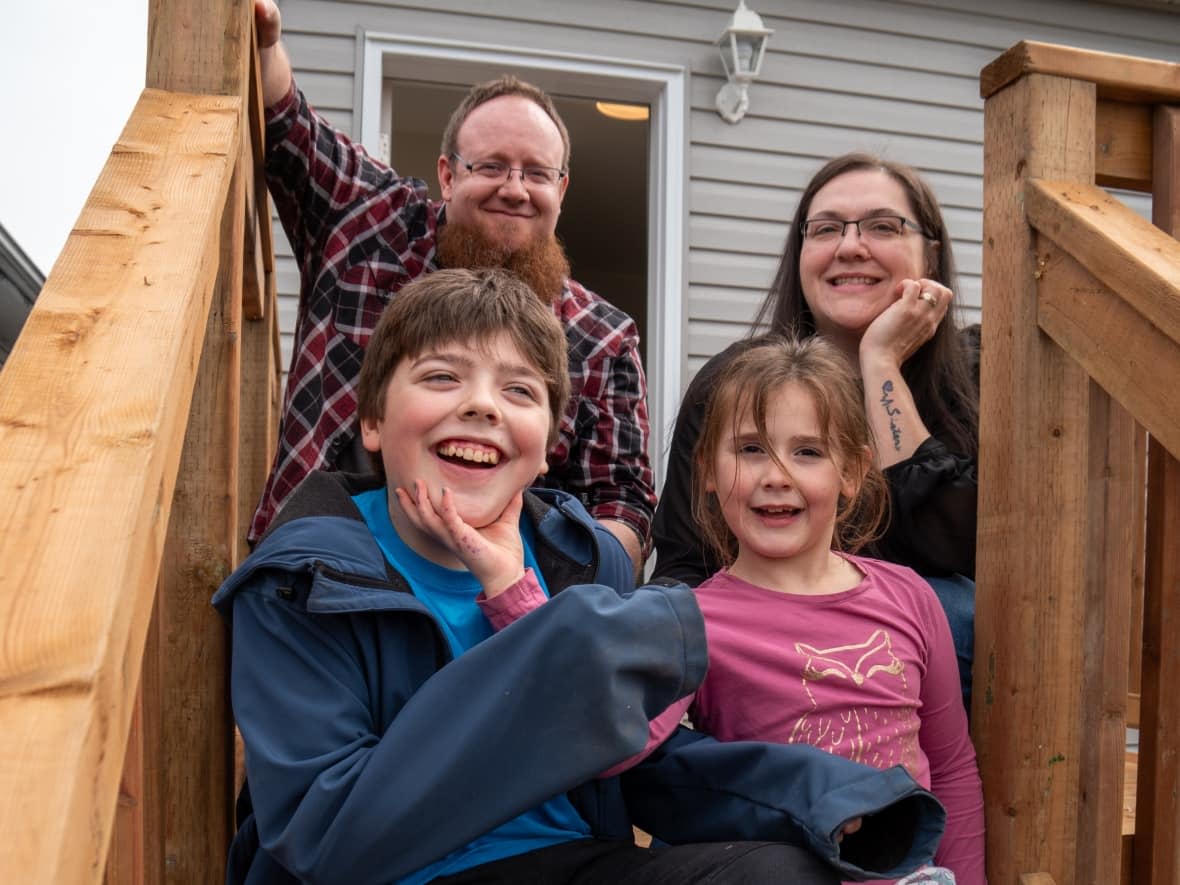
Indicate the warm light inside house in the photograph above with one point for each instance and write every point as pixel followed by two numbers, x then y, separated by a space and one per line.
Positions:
pixel 622 111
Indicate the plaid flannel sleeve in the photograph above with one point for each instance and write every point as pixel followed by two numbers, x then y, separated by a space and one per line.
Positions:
pixel 316 175
pixel 607 464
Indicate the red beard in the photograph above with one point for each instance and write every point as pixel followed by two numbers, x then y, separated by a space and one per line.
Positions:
pixel 541 264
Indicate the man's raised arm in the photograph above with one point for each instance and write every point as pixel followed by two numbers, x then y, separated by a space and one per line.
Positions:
pixel 272 57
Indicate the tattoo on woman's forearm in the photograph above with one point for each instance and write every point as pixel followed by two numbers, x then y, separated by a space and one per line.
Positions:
pixel 892 412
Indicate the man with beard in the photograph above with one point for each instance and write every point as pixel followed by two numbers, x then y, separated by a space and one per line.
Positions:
pixel 360 232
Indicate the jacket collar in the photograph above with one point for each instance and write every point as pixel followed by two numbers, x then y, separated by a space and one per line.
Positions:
pixel 320 540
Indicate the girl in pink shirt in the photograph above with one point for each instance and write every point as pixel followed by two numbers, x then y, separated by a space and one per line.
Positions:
pixel 809 642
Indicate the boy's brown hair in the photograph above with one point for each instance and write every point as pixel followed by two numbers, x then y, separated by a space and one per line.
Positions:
pixel 471 307
pixel 746 387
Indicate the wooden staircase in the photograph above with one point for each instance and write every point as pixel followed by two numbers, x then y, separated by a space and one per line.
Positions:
pixel 137 419
pixel 1078 582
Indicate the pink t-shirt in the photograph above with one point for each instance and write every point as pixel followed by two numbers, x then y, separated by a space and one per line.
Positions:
pixel 869 674
pixel 792 669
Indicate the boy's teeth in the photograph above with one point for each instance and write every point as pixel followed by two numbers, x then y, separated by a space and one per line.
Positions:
pixel 467 453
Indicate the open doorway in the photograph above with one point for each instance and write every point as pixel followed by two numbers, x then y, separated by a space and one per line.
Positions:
pixel 659 205
pixel 603 223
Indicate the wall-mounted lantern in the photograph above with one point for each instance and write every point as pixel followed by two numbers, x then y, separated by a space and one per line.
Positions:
pixel 742 45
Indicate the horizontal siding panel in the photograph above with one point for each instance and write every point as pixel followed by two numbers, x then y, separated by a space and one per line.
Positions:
pixel 828 141
pixel 613 18
pixel 968 257
pixel 827 44
pixel 330 94
pixel 848 110
pixel 288 307
pixel 963 224
pixel 967 298
pixel 721 304
pixel 319 52
pixel 709 267
pixel 582 29
pixel 740 235
pixel 1139 29
pixel 832 73
pixel 707 338
pixel 996 25
pixel 750 201
pixel 287 278
pixel 743 168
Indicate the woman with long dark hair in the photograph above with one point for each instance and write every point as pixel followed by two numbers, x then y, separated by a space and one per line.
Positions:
pixel 868 265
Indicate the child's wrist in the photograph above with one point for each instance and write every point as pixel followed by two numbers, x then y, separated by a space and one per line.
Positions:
pixel 494 586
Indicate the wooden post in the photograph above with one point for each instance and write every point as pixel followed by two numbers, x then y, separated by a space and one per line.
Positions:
pixel 200 46
pixel 1157 851
pixel 260 362
pixel 1047 464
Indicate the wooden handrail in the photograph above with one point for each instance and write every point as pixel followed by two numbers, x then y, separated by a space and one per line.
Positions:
pixel 1110 297
pixel 93 406
pixel 1116 77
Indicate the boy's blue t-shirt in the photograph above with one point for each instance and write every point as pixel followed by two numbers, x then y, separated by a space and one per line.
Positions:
pixel 450 596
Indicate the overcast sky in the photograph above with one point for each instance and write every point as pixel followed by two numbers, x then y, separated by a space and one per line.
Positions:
pixel 70 73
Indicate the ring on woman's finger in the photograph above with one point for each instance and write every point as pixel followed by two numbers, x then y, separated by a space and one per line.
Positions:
pixel 929 297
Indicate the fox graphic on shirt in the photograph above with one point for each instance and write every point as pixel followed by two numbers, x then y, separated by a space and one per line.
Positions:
pixel 861 733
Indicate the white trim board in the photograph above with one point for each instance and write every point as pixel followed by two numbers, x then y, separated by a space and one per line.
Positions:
pixel 664 87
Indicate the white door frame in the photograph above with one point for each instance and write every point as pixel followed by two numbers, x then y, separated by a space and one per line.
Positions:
pixel 664 87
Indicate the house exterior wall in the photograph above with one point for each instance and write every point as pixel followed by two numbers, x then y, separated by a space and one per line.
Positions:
pixel 897 78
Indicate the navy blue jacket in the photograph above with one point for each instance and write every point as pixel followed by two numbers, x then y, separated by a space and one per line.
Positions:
pixel 370 752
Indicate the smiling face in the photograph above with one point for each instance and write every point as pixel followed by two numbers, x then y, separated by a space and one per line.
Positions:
pixel 514 130
pixel 779 511
pixel 849 282
pixel 475 420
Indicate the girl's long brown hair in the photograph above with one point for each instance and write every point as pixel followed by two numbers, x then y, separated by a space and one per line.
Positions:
pixel 746 388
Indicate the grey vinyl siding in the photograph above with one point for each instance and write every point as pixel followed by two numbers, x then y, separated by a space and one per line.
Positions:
pixel 898 78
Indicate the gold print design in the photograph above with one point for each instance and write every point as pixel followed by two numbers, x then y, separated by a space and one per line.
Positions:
pixel 848 661
pixel 872 735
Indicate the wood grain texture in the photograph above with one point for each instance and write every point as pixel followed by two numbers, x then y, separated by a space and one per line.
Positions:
pixel 1117 346
pixel 259 409
pixel 1118 77
pixel 1156 856
pixel 1105 638
pixel 1117 246
pixel 202 46
pixel 195 753
pixel 1122 145
pixel 1035 509
pixel 88 455
pixel 1157 815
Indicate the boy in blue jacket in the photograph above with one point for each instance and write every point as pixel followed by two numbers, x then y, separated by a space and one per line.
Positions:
pixel 431 665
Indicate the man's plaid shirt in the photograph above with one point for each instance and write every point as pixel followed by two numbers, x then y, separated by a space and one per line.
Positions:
pixel 360 233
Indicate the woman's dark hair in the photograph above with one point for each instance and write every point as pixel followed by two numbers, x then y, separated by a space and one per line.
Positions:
pixel 938 374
